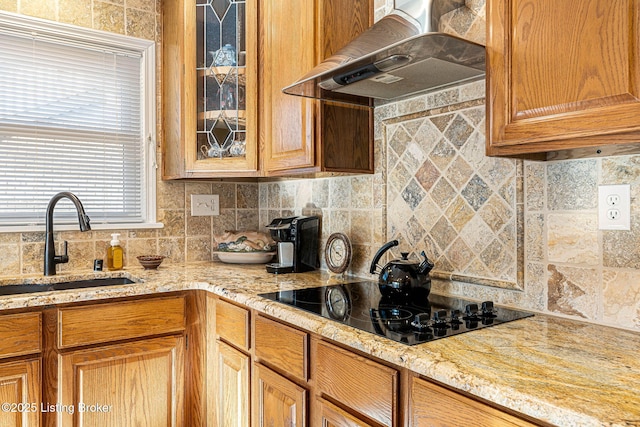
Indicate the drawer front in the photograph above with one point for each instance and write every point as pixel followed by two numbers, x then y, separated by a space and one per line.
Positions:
pixel 232 324
pixel 20 334
pixel 359 383
pixel 431 407
pixel 282 346
pixel 91 324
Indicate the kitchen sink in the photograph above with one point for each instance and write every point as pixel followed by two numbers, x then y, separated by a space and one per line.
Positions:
pixel 27 288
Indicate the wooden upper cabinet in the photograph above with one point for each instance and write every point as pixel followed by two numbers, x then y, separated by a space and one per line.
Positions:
pixel 301 135
pixel 562 75
pixel 209 92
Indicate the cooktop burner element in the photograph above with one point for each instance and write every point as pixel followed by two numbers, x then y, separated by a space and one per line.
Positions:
pixel 407 320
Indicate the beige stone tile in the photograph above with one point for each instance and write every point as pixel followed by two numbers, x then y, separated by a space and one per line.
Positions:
pixel 573 291
pixel 224 222
pixel 459 213
pixel 339 193
pixel 174 223
pixel 137 247
pixel 247 195
pixel 45 9
pixel 32 258
pixel 198 225
pixel 361 228
pixel 75 12
pixel 9 5
pixel 108 17
pixel 9 238
pixel 148 5
pixel 140 24
pixel 573 238
pixel 496 213
pixel 198 249
pixel 621 298
pixel 534 237
pixel 362 192
pixel 173 248
pixel 170 195
pixel 247 219
pixel 10 260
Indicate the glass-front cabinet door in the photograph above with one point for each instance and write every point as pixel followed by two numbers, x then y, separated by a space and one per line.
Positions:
pixel 215 133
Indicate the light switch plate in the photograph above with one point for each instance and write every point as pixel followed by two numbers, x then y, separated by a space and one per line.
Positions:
pixel 614 207
pixel 205 204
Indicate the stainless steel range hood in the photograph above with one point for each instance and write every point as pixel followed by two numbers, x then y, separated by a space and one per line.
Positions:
pixel 401 55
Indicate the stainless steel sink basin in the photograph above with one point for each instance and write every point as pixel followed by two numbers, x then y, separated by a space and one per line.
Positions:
pixel 27 288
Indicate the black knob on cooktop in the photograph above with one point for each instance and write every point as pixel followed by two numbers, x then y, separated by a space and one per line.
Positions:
pixel 455 317
pixel 440 318
pixel 471 311
pixel 487 309
pixel 420 322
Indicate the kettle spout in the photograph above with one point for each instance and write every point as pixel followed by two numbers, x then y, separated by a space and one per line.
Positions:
pixel 425 266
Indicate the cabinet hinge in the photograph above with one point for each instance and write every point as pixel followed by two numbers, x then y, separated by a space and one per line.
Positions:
pixel 186 342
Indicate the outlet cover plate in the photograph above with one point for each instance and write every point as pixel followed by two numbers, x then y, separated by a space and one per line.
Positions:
pixel 205 204
pixel 614 207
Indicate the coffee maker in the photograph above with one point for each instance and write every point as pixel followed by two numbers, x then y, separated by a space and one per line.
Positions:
pixel 297 239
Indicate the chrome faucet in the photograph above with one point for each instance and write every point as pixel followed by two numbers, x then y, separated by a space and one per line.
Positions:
pixel 50 257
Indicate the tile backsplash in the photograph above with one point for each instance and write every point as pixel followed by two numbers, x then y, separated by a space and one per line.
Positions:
pixel 521 233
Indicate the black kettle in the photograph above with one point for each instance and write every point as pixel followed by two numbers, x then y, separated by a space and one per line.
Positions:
pixel 402 277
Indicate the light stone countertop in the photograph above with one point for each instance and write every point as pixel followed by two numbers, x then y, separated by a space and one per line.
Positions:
pixel 561 371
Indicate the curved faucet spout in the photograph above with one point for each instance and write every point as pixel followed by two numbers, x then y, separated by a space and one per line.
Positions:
pixel 50 257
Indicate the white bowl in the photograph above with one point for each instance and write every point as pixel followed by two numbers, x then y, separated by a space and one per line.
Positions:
pixel 245 257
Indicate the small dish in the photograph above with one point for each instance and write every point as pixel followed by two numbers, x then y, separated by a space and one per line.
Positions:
pixel 245 257
pixel 150 262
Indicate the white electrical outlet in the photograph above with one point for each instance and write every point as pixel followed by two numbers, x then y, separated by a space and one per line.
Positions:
pixel 614 207
pixel 205 204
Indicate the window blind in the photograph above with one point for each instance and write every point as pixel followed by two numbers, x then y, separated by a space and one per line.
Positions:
pixel 71 119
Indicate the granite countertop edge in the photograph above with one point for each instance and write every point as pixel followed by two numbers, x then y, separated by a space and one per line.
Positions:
pixel 537 366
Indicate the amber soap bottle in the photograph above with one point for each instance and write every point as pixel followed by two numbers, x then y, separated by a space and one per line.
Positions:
pixel 115 254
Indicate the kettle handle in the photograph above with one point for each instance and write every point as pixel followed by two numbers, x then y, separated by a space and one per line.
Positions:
pixel 378 255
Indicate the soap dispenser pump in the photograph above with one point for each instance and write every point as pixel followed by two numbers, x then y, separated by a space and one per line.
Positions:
pixel 115 254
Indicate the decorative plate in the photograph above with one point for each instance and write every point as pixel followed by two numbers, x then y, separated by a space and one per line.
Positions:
pixel 337 253
pixel 245 257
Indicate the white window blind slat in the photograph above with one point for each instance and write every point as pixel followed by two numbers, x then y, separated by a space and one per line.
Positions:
pixel 72 118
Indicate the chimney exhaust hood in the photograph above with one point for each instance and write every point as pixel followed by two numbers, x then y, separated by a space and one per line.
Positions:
pixel 401 55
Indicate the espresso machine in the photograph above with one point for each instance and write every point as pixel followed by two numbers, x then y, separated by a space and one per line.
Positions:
pixel 297 239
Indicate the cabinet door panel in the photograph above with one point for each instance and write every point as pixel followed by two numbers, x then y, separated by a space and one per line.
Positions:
pixel 288 121
pixel 232 387
pixel 20 388
pixel 546 91
pixel 278 401
pixel 135 384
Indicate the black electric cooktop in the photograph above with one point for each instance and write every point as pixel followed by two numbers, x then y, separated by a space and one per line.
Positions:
pixel 405 319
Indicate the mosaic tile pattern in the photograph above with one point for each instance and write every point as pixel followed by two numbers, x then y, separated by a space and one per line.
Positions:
pixel 470 225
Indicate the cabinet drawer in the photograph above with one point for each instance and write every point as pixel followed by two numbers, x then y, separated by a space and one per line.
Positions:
pixel 232 324
pixel 431 406
pixel 20 334
pixel 359 383
pixel 282 346
pixel 90 324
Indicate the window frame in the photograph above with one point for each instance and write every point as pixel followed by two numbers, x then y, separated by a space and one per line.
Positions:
pixel 149 105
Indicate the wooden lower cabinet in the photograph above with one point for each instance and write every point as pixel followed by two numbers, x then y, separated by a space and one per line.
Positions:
pixel 432 405
pixel 134 384
pixel 233 387
pixel 277 401
pixel 20 386
pixel 329 415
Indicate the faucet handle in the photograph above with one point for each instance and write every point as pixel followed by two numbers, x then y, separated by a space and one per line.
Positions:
pixel 61 259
